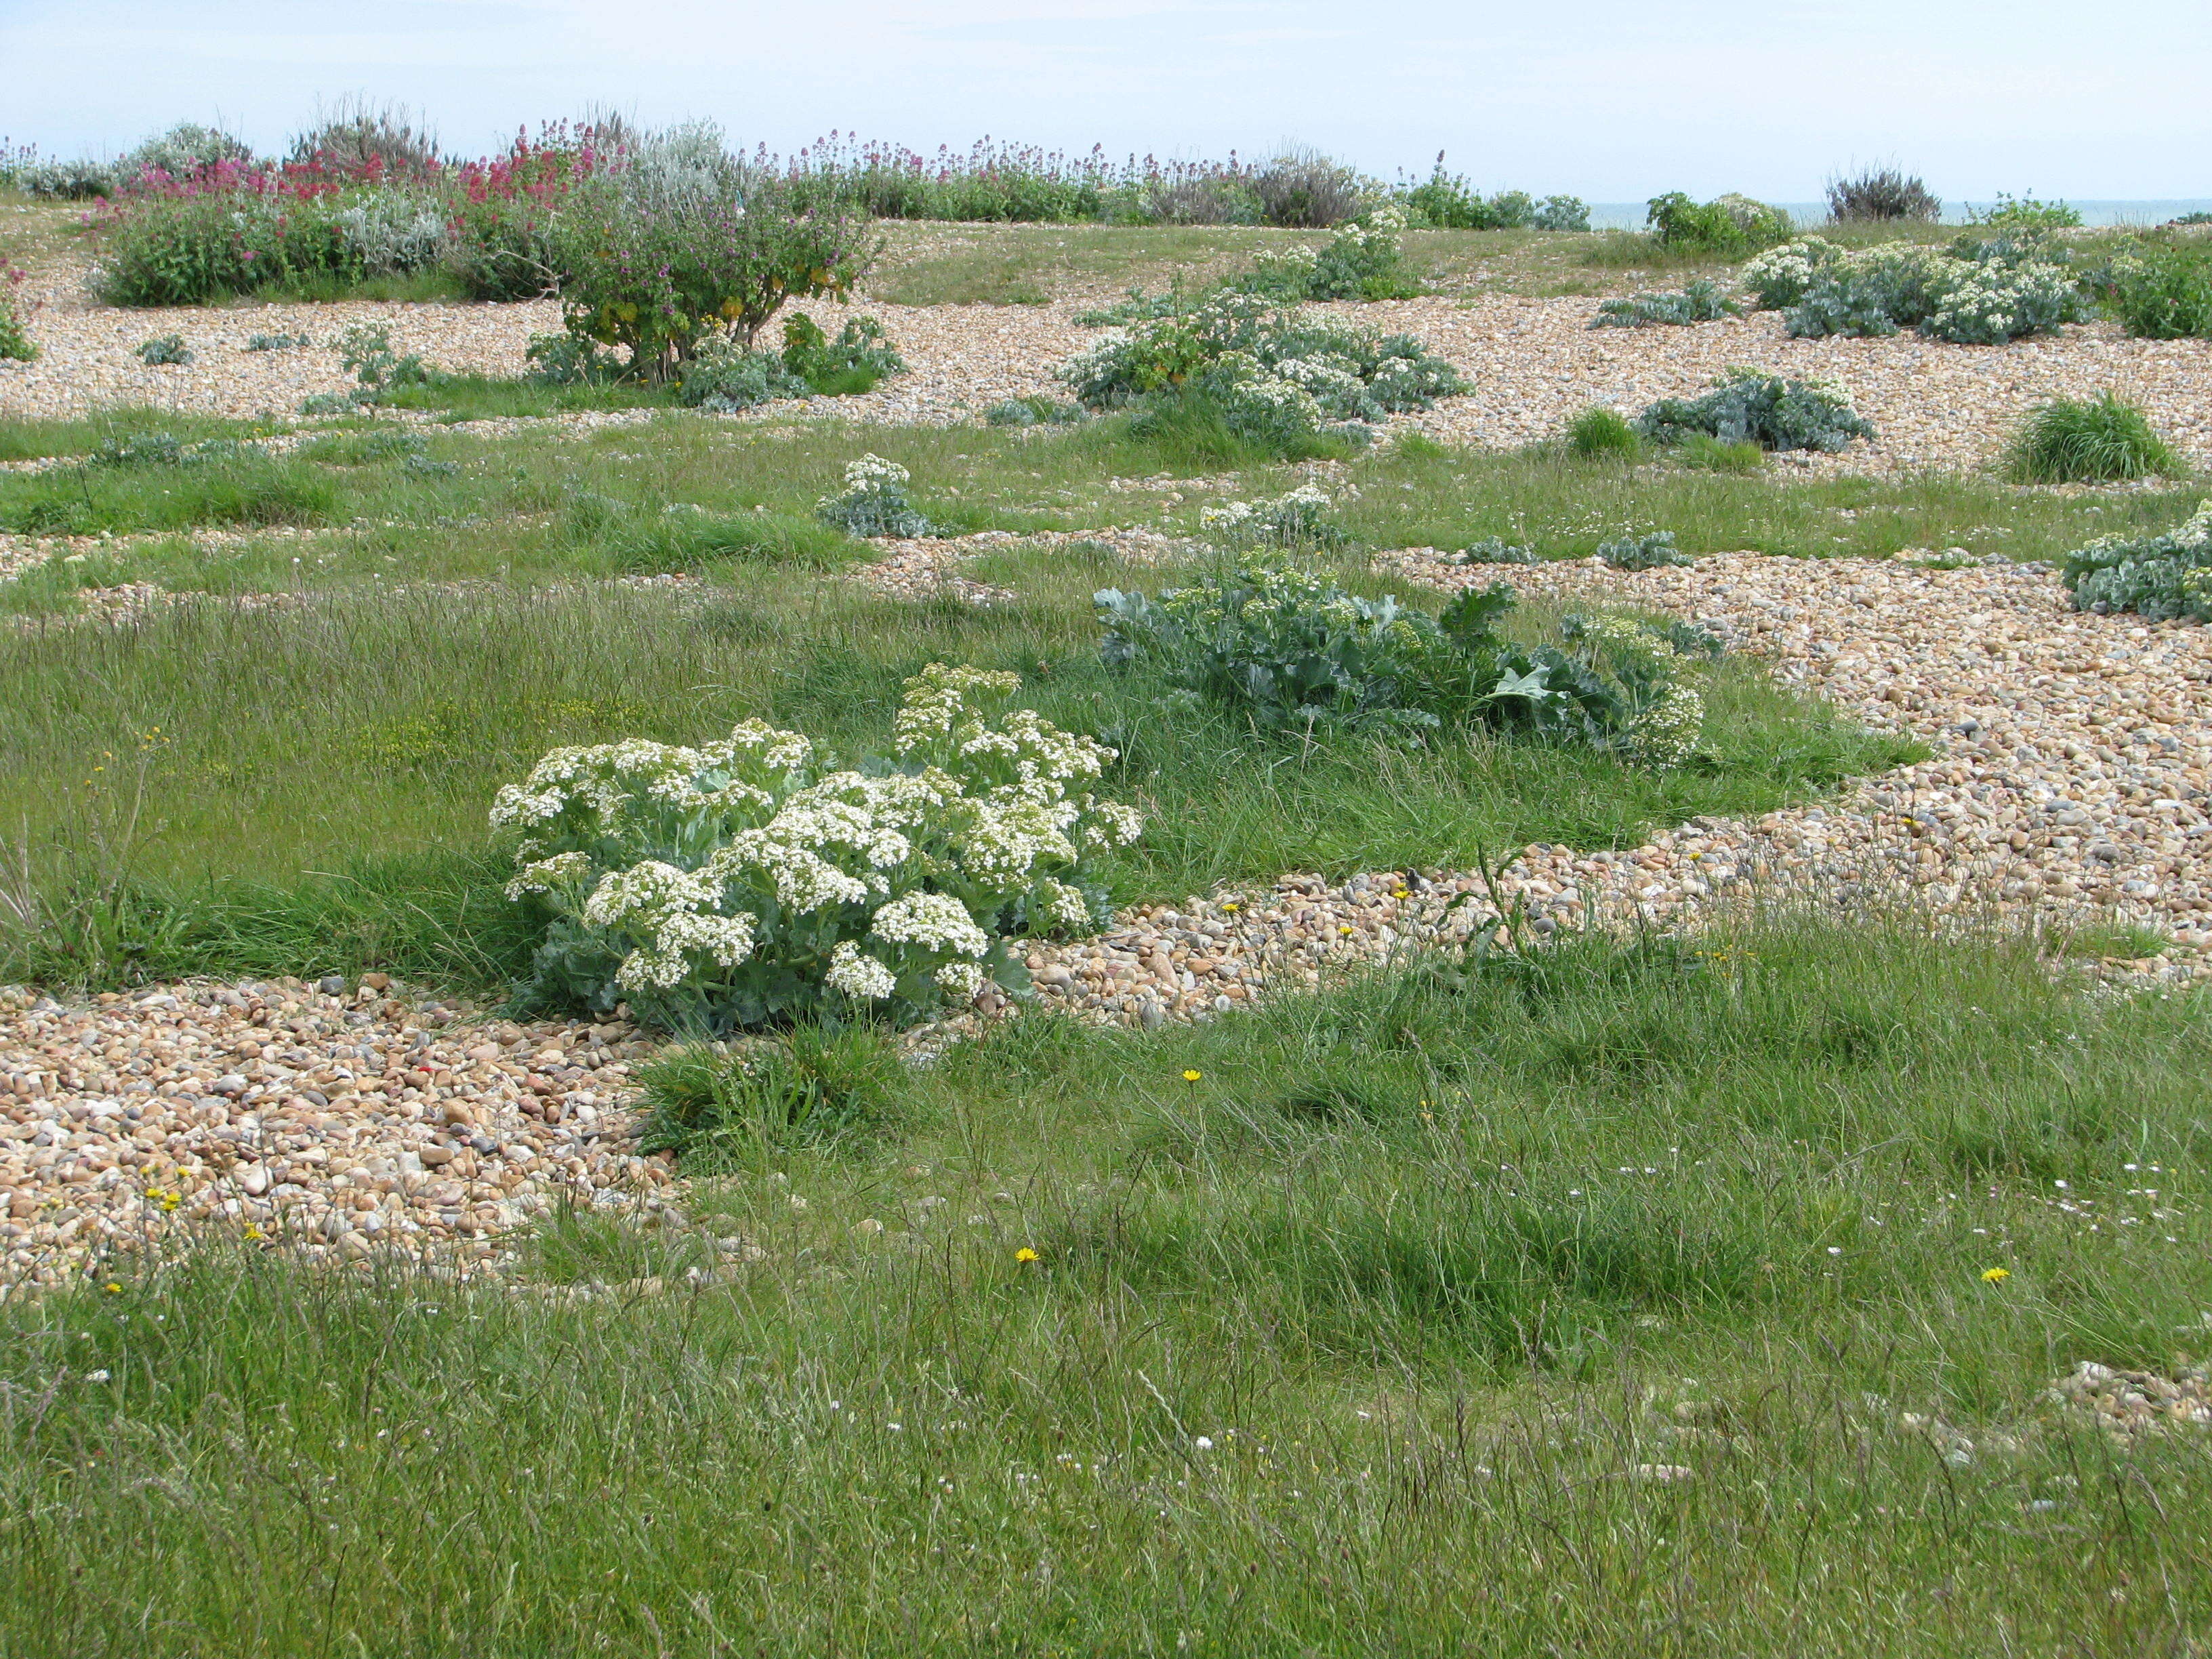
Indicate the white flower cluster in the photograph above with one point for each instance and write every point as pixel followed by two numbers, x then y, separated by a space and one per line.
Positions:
pixel 1667 733
pixel 730 875
pixel 1993 303
pixel 1290 520
pixel 1781 276
pixel 871 475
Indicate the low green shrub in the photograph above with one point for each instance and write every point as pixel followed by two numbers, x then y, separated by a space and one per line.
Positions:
pixel 1728 227
pixel 752 881
pixel 853 361
pixel 725 377
pixel 715 1104
pixel 1447 201
pixel 2163 577
pixel 2162 292
pixel 2026 213
pixel 874 501
pixel 163 348
pixel 1290 651
pixel 1748 406
pixel 1700 301
pixel 1602 433
pixel 2099 440
pixel 1277 378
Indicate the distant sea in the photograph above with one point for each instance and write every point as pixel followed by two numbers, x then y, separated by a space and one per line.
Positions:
pixel 1629 215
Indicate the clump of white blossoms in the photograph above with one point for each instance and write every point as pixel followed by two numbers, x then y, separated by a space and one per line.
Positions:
pixel 1297 518
pixel 874 501
pixel 747 880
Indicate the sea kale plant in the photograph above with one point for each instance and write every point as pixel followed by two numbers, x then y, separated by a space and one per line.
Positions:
pixel 755 881
pixel 725 377
pixel 1980 291
pixel 2163 577
pixel 1285 648
pixel 1277 377
pixel 1697 301
pixel 1748 406
pixel 874 501
pixel 1298 518
pixel 1362 261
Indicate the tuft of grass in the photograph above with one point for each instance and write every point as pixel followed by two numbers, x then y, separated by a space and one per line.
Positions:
pixel 480 398
pixel 723 1106
pixel 2099 440
pixel 1702 451
pixel 1599 432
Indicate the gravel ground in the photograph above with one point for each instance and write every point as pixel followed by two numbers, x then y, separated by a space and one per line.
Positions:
pixel 1532 361
pixel 343 1118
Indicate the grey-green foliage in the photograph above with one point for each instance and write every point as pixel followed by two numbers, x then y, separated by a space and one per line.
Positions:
pixel 78 179
pixel 1289 650
pixel 568 360
pixel 1033 411
pixel 366 352
pixel 164 349
pixel 183 150
pixel 1495 549
pixel 1277 375
pixel 277 342
pixel 1983 291
pixel 2162 577
pixel 724 377
pixel 1748 406
pixel 1701 300
pixel 1649 551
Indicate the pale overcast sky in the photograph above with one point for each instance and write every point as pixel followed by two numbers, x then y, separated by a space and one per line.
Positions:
pixel 1611 99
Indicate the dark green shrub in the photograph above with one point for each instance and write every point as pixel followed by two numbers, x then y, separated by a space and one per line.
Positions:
pixel 2162 292
pixel 2026 213
pixel 1599 432
pixel 1747 406
pixel 1728 227
pixel 1881 196
pixel 2099 440
pixel 1448 202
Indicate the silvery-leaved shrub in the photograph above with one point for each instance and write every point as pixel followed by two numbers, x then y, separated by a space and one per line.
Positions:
pixel 2163 577
pixel 874 501
pixel 396 232
pixel 724 377
pixel 1288 650
pixel 1700 301
pixel 754 881
pixel 1277 378
pixel 1748 406
pixel 1297 518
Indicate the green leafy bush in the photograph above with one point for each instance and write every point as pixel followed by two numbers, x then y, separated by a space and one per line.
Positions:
pixel 1276 378
pixel 2162 292
pixel 1289 650
pixel 2099 440
pixel 2026 213
pixel 2164 577
pixel 1748 406
pixel 1728 227
pixel 163 348
pixel 1881 196
pixel 873 502
pixel 198 246
pixel 1448 202
pixel 752 881
pixel 713 1104
pixel 1700 301
pixel 658 278
pixel 852 362
pixel 1599 432
pixel 15 341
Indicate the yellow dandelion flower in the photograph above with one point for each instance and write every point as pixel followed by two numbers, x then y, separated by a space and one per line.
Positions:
pixel 1995 1275
pixel 113 1288
pixel 1025 1254
pixel 1192 1077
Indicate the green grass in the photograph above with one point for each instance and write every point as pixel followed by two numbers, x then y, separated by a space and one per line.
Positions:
pixel 23 438
pixel 2099 440
pixel 1357 1344
pixel 480 398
